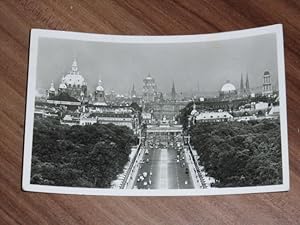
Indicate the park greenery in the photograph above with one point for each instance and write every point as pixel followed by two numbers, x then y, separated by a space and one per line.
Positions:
pixel 81 156
pixel 240 154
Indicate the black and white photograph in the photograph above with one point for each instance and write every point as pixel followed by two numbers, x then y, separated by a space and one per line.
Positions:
pixel 156 115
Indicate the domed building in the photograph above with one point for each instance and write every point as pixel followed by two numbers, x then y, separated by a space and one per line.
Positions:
pixel 99 94
pixel 62 88
pixel 194 112
pixel 51 91
pixel 73 83
pixel 228 91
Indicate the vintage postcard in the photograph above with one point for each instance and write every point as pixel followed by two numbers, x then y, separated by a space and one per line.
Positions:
pixel 156 115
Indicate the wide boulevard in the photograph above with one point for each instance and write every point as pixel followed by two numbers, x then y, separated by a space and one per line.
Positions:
pixel 163 165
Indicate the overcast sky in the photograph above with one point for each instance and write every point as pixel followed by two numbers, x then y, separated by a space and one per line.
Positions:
pixel 209 64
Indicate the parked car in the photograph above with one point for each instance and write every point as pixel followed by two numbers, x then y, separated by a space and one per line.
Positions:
pixel 187 171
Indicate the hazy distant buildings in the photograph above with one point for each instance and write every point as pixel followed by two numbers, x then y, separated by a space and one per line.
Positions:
pixel 99 98
pixel 99 106
pixel 133 92
pixel 228 91
pixel 173 92
pixel 244 89
pixel 74 83
pixel 267 86
pixel 149 89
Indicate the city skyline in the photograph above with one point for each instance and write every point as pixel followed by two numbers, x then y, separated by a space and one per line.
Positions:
pixel 136 61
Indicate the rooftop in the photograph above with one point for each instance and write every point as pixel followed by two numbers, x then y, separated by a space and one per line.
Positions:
pixel 63 97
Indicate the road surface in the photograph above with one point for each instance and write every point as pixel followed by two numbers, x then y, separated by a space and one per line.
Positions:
pixel 165 165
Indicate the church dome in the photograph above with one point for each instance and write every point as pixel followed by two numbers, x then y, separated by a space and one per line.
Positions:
pixel 149 79
pixel 228 87
pixel 99 87
pixel 74 78
pixel 194 112
pixel 62 86
pixel 52 89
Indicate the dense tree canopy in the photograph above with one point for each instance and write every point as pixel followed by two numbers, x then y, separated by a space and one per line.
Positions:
pixel 81 156
pixel 184 115
pixel 240 153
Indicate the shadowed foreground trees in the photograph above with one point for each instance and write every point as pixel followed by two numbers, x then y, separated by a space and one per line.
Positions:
pixel 240 153
pixel 81 156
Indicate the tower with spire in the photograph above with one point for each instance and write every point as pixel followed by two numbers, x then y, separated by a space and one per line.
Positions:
pixel 133 92
pixel 51 91
pixel 100 94
pixel 242 90
pixel 161 97
pixel 173 92
pixel 247 85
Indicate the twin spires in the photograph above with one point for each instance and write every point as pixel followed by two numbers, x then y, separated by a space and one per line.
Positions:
pixel 246 89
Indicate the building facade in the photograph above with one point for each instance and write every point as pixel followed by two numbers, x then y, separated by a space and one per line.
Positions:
pixel 149 89
pixel 267 86
pixel 99 95
pixel 74 83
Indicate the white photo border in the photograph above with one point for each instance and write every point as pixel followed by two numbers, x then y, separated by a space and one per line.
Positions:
pixel 276 29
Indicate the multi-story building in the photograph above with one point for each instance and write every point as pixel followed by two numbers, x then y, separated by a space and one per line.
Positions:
pixel 149 89
pixel 169 109
pixel 99 98
pixel 205 117
pixel 267 86
pixel 123 119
